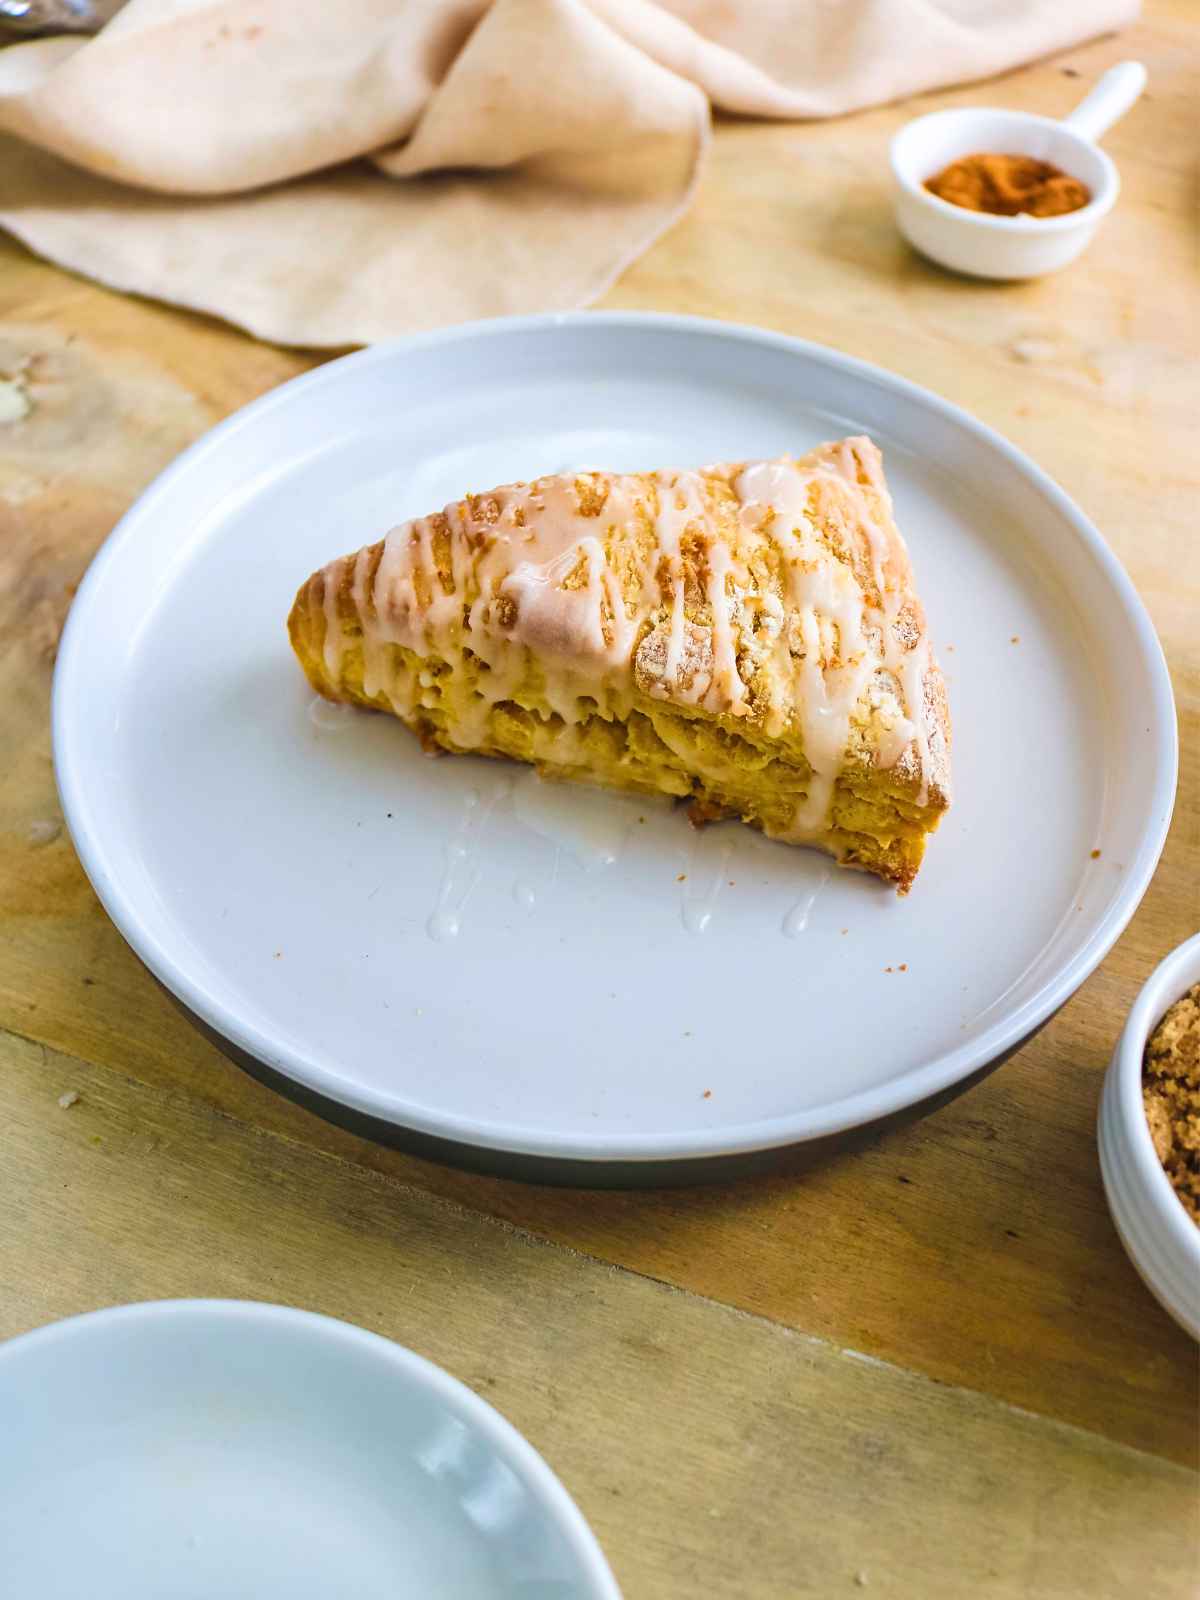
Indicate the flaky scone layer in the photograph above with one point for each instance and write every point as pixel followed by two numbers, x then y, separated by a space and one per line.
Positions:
pixel 747 636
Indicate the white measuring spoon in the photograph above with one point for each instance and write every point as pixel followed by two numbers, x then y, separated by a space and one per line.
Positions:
pixel 988 246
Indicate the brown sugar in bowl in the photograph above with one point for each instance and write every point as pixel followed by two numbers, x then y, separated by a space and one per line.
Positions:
pixel 1171 1096
pixel 1154 1225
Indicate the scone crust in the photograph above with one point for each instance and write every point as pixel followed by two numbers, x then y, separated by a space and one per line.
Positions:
pixel 750 603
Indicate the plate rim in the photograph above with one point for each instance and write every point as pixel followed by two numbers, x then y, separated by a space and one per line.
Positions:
pixel 776 1133
pixel 388 1357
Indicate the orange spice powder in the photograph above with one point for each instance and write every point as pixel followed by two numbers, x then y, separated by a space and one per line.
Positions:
pixel 1008 185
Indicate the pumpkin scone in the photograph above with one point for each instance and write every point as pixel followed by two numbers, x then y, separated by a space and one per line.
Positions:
pixel 747 637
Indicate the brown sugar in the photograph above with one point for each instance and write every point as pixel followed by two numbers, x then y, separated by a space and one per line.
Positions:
pixel 1171 1095
pixel 1009 185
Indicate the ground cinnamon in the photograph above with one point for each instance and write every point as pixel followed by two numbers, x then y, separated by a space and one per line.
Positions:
pixel 1008 185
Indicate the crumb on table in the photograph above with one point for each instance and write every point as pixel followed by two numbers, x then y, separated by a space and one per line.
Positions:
pixel 1171 1096
pixel 66 1101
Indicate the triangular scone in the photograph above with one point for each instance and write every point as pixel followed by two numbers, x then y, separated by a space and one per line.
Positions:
pixel 747 636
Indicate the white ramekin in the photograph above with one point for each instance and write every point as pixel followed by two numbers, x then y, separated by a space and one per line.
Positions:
pixel 987 246
pixel 227 1447
pixel 1162 1240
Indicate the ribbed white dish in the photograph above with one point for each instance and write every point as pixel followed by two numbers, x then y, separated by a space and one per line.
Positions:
pixel 183 1449
pixel 1162 1240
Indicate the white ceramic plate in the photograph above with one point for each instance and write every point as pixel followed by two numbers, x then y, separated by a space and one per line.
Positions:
pixel 191 1448
pixel 297 878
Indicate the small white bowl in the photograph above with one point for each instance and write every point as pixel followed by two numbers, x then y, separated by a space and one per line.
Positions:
pixel 194 1448
pixel 1162 1240
pixel 989 246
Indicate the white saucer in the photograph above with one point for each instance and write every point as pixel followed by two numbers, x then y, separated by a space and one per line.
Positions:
pixel 450 948
pixel 192 1448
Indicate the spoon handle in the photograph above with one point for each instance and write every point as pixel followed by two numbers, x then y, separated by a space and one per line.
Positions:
pixel 1109 100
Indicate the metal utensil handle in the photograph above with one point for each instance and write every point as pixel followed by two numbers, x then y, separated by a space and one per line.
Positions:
pixel 56 16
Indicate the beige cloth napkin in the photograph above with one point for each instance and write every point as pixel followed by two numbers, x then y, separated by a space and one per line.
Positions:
pixel 329 172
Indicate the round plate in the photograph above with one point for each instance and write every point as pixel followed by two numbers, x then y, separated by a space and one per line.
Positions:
pixel 190 1448
pixel 564 982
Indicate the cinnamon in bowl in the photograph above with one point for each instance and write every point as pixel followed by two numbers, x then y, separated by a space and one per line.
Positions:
pixel 1009 186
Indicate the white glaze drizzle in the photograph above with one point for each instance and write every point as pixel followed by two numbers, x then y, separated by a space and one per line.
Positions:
pixel 332 647
pixel 678 504
pixel 703 878
pixel 532 577
pixel 329 715
pixel 592 826
pixel 796 920
pixel 461 863
pixel 822 589
pixel 817 588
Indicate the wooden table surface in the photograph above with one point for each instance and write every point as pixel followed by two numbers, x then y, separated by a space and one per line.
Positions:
pixel 927 1367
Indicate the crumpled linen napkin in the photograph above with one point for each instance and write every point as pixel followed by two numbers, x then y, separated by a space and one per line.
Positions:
pixel 330 174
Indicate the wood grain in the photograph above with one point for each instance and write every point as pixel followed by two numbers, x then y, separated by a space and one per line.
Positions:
pixel 974 1248
pixel 774 1465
